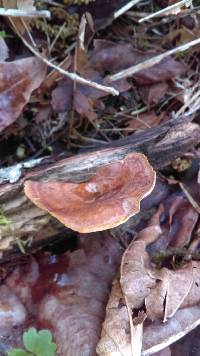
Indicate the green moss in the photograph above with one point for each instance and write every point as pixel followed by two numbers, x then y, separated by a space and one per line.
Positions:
pixel 68 22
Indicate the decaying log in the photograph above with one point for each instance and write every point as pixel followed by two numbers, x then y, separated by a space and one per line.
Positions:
pixel 21 222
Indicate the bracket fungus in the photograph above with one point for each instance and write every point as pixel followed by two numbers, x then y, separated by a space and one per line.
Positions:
pixel 108 199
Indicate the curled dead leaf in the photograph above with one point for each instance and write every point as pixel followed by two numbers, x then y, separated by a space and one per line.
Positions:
pixel 169 292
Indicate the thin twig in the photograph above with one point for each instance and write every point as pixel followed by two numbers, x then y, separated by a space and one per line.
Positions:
pixel 29 34
pixel 167 10
pixel 72 76
pixel 190 198
pixel 125 8
pixel 192 103
pixel 152 61
pixel 76 77
pixel 57 36
pixel 25 13
pixel 53 3
pixel 174 251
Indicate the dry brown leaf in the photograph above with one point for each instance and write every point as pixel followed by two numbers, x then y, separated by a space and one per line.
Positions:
pixel 166 69
pixel 171 289
pixel 18 80
pixel 84 105
pixel 62 96
pixel 180 219
pixel 107 55
pixel 142 121
pixel 152 94
pixel 177 222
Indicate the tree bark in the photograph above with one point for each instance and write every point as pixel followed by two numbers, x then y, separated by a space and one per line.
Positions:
pixel 24 226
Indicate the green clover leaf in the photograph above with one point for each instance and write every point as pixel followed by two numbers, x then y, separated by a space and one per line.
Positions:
pixel 36 343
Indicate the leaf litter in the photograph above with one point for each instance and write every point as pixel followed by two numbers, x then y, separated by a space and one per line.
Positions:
pixel 161 294
pixel 155 276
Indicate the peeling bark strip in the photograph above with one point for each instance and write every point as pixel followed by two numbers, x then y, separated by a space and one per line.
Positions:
pixel 161 144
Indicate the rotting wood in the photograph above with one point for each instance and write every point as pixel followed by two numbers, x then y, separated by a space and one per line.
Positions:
pixel 26 222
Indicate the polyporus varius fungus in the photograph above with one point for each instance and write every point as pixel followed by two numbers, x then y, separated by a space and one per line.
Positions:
pixel 108 199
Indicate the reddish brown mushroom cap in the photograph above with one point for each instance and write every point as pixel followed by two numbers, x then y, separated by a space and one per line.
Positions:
pixel 108 199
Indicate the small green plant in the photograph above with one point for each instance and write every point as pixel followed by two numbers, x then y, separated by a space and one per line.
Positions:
pixel 36 343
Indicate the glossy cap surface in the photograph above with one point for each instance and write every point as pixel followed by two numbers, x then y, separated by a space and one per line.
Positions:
pixel 108 199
